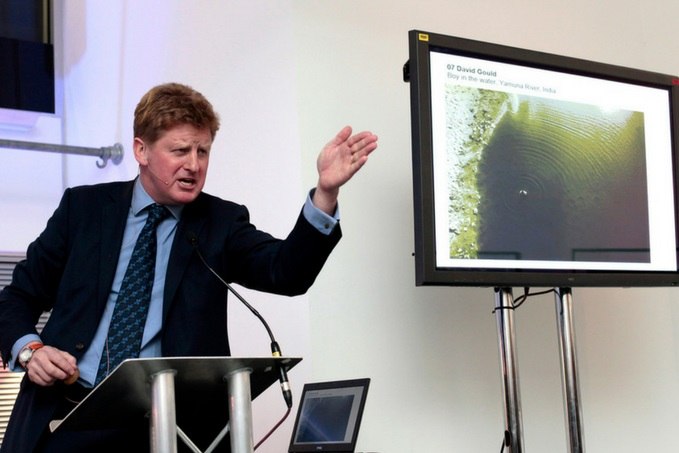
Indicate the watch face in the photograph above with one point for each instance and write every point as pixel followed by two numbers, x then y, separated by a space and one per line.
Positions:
pixel 25 355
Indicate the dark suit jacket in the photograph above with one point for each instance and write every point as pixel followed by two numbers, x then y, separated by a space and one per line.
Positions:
pixel 69 269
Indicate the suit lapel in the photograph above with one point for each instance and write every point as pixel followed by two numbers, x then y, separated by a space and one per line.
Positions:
pixel 190 225
pixel 113 220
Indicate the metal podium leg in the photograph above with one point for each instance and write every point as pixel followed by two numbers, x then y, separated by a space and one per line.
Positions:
pixel 569 368
pixel 504 314
pixel 240 411
pixel 163 414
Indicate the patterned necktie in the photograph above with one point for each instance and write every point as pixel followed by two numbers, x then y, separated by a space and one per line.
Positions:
pixel 129 315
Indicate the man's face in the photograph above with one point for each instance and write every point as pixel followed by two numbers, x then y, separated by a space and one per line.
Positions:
pixel 173 169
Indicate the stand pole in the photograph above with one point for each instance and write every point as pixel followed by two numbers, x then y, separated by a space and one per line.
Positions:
pixel 504 314
pixel 240 411
pixel 163 414
pixel 571 391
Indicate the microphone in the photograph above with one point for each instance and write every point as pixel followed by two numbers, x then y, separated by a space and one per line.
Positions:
pixel 156 176
pixel 275 349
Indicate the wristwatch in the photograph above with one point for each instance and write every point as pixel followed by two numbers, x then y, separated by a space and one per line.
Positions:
pixel 26 354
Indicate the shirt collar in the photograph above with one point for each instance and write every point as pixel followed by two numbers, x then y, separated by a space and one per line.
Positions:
pixel 141 200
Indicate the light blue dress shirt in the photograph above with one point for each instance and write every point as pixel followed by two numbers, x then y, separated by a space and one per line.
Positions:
pixel 166 230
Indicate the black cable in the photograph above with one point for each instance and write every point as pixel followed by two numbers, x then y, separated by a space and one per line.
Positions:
pixel 235 293
pixel 526 295
pixel 506 441
pixel 521 299
pixel 271 431
pixel 275 349
pixel 517 303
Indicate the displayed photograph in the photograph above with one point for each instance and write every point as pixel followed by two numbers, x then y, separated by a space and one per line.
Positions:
pixel 541 169
pixel 541 179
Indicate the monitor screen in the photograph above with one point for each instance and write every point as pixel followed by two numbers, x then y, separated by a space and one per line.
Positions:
pixel 27 77
pixel 329 416
pixel 536 169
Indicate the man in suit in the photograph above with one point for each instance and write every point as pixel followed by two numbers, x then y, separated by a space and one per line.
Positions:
pixel 76 267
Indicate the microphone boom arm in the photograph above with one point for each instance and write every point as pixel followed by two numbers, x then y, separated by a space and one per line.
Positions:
pixel 275 348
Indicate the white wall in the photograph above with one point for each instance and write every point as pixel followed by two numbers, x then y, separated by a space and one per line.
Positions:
pixel 238 55
pixel 22 199
pixel 285 76
pixel 432 352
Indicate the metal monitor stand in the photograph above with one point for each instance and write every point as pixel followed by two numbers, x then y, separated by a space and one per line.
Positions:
pixel 569 369
pixel 504 314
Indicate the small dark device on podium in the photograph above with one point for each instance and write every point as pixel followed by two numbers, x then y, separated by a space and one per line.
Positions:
pixel 329 416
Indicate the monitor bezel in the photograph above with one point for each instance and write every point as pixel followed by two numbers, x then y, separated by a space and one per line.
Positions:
pixel 363 383
pixel 417 73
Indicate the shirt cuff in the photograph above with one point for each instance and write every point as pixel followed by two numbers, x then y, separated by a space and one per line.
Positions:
pixel 18 346
pixel 319 219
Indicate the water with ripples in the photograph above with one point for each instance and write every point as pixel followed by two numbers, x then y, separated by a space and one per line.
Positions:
pixel 564 181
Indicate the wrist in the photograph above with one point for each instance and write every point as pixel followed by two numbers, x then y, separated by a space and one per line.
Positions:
pixel 26 353
pixel 325 200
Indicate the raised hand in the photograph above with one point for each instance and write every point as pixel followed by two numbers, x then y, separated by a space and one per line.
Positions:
pixel 338 162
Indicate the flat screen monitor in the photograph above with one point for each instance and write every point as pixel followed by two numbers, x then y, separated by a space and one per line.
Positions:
pixel 534 169
pixel 329 416
pixel 27 78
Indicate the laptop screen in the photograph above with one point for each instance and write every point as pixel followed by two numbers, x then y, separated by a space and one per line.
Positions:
pixel 329 416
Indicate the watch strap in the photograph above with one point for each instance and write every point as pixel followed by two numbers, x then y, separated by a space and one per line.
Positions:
pixel 32 346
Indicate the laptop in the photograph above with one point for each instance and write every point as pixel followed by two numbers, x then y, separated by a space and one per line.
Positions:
pixel 329 416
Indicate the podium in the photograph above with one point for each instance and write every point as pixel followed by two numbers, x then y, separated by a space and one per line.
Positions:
pixel 198 399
